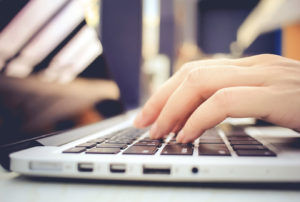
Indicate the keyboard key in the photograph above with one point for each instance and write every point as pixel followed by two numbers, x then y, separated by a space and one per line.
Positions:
pixel 122 138
pixel 107 145
pixel 149 139
pixel 237 131
pixel 173 138
pixel 240 138
pixel 75 150
pixel 263 153
pixel 97 140
pixel 211 141
pixel 245 142
pixel 210 134
pixel 119 141
pixel 182 144
pixel 132 132
pixel 213 150
pixel 103 151
pixel 109 136
pixel 87 145
pixel 249 147
pixel 148 143
pixel 145 150
pixel 177 149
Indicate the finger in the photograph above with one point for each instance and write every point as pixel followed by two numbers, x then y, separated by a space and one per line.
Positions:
pixel 235 102
pixel 177 128
pixel 200 84
pixel 153 107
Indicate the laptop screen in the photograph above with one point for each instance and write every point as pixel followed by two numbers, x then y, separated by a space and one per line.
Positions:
pixel 54 75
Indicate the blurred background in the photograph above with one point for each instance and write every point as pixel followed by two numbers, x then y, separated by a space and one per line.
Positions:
pixel 67 63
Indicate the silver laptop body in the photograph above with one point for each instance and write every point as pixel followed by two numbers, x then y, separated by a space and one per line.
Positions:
pixel 114 150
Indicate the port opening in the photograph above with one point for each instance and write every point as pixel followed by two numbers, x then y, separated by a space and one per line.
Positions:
pixel 117 168
pixel 85 167
pixel 158 170
pixel 195 170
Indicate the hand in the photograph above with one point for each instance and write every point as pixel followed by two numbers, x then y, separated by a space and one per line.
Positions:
pixel 203 93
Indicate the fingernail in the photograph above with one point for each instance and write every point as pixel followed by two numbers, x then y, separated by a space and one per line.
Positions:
pixel 180 136
pixel 154 132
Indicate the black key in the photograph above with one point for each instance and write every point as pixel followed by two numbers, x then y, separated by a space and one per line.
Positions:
pixel 263 153
pixel 149 139
pixel 181 144
pixel 87 145
pixel 213 150
pixel 208 137
pixel 141 131
pixel 98 140
pixel 240 138
pixel 145 150
pixel 148 143
pixel 172 142
pixel 103 151
pixel 133 132
pixel 75 150
pixel 249 147
pixel 177 149
pixel 121 139
pixel 211 141
pixel 245 142
pixel 210 134
pixel 119 142
pixel 107 145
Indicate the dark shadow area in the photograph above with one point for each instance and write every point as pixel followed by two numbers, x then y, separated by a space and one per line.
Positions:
pixel 216 185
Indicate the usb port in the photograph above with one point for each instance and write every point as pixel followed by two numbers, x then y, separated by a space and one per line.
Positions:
pixel 85 167
pixel 156 169
pixel 117 168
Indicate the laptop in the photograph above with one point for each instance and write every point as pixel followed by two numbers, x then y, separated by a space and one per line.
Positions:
pixel 114 150
pixel 235 151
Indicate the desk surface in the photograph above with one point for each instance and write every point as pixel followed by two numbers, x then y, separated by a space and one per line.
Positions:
pixel 21 189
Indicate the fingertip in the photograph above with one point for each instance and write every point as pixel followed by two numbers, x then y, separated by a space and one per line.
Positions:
pixel 187 136
pixel 142 120
pixel 185 140
pixel 180 136
pixel 154 131
pixel 136 124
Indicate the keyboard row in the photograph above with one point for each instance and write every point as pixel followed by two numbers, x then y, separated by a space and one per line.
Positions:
pixel 209 144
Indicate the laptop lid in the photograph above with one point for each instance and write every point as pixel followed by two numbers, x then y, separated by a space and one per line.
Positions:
pixel 51 82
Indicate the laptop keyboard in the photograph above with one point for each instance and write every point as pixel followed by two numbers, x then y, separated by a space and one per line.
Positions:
pixel 132 141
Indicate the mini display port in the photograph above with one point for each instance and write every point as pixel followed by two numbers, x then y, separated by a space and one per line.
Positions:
pixel 85 167
pixel 159 170
pixel 117 168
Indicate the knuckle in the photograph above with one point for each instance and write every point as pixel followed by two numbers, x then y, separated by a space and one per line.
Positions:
pixel 268 59
pixel 186 67
pixel 196 76
pixel 268 56
pixel 222 99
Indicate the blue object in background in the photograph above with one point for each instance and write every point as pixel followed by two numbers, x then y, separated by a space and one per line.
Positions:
pixel 278 42
pixel 121 25
pixel 218 22
pixel 167 27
